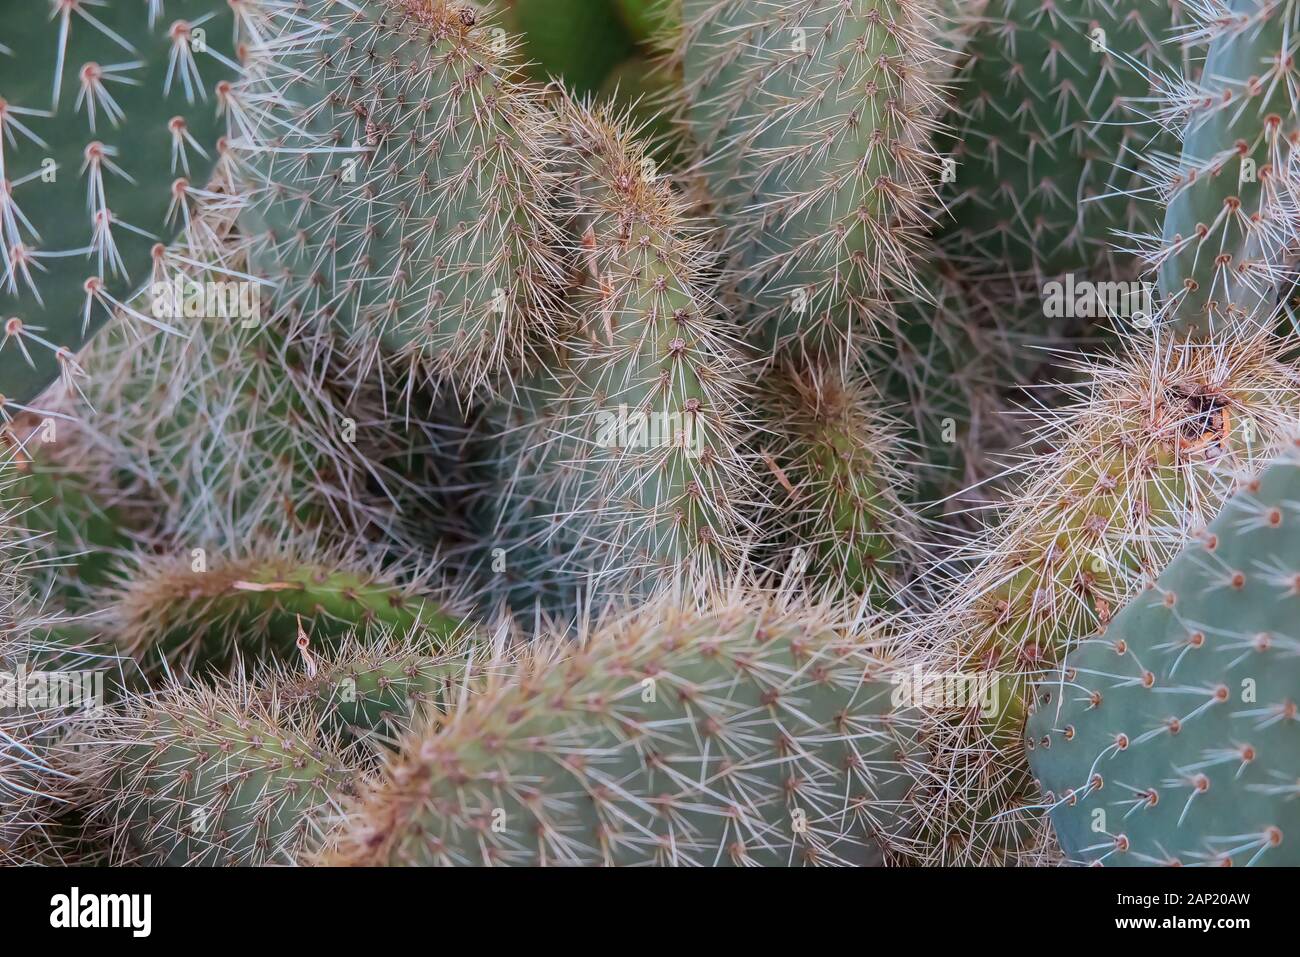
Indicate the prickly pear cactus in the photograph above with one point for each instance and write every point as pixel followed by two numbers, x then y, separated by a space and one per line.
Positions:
pixel 1233 203
pixel 835 458
pixel 1169 735
pixel 813 123
pixel 202 610
pixel 209 776
pixel 396 168
pixel 745 735
pixel 379 684
pixel 112 124
pixel 645 416
pixel 1148 453
pixel 1049 143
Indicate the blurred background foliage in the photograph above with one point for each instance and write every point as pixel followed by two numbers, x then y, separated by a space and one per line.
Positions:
pixel 603 49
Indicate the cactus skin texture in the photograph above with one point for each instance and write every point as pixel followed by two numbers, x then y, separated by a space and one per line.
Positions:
pixel 813 121
pixel 1049 141
pixel 33 733
pixel 1234 196
pixel 256 603
pixel 1148 453
pixel 209 776
pixel 399 184
pixel 130 105
pixel 1170 735
pixel 837 462
pixel 747 735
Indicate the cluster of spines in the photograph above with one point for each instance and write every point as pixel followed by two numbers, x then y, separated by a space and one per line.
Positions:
pixel 1051 133
pixel 1149 453
pixel 812 123
pixel 209 775
pixel 637 431
pixel 201 609
pixel 834 460
pixel 237 425
pixel 1233 196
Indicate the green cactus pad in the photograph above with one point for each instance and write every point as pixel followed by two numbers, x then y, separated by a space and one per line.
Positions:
pixel 813 123
pixel 200 609
pixel 1050 140
pixel 209 776
pixel 1233 204
pixel 398 184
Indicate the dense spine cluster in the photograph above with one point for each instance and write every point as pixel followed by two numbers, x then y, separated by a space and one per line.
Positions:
pixel 210 776
pixel 469 473
pixel 634 436
pixel 1233 196
pixel 397 173
pixel 1149 454
pixel 813 123
pixel 199 611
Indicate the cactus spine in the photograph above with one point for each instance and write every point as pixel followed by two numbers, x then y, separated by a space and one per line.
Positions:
pixel 198 610
pixel 813 123
pixel 840 482
pixel 396 168
pixel 1049 146
pixel 1149 454
pixel 210 776
pixel 640 429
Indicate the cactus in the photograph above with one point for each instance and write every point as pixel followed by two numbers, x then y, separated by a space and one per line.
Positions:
pixel 1233 200
pixel 34 729
pixel 112 121
pixel 1049 143
pixel 637 433
pixel 396 174
pixel 1168 735
pixel 1148 455
pixel 379 685
pixel 744 735
pixel 841 485
pixel 209 776
pixel 233 424
pixel 813 122
pixel 78 521
pixel 212 609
